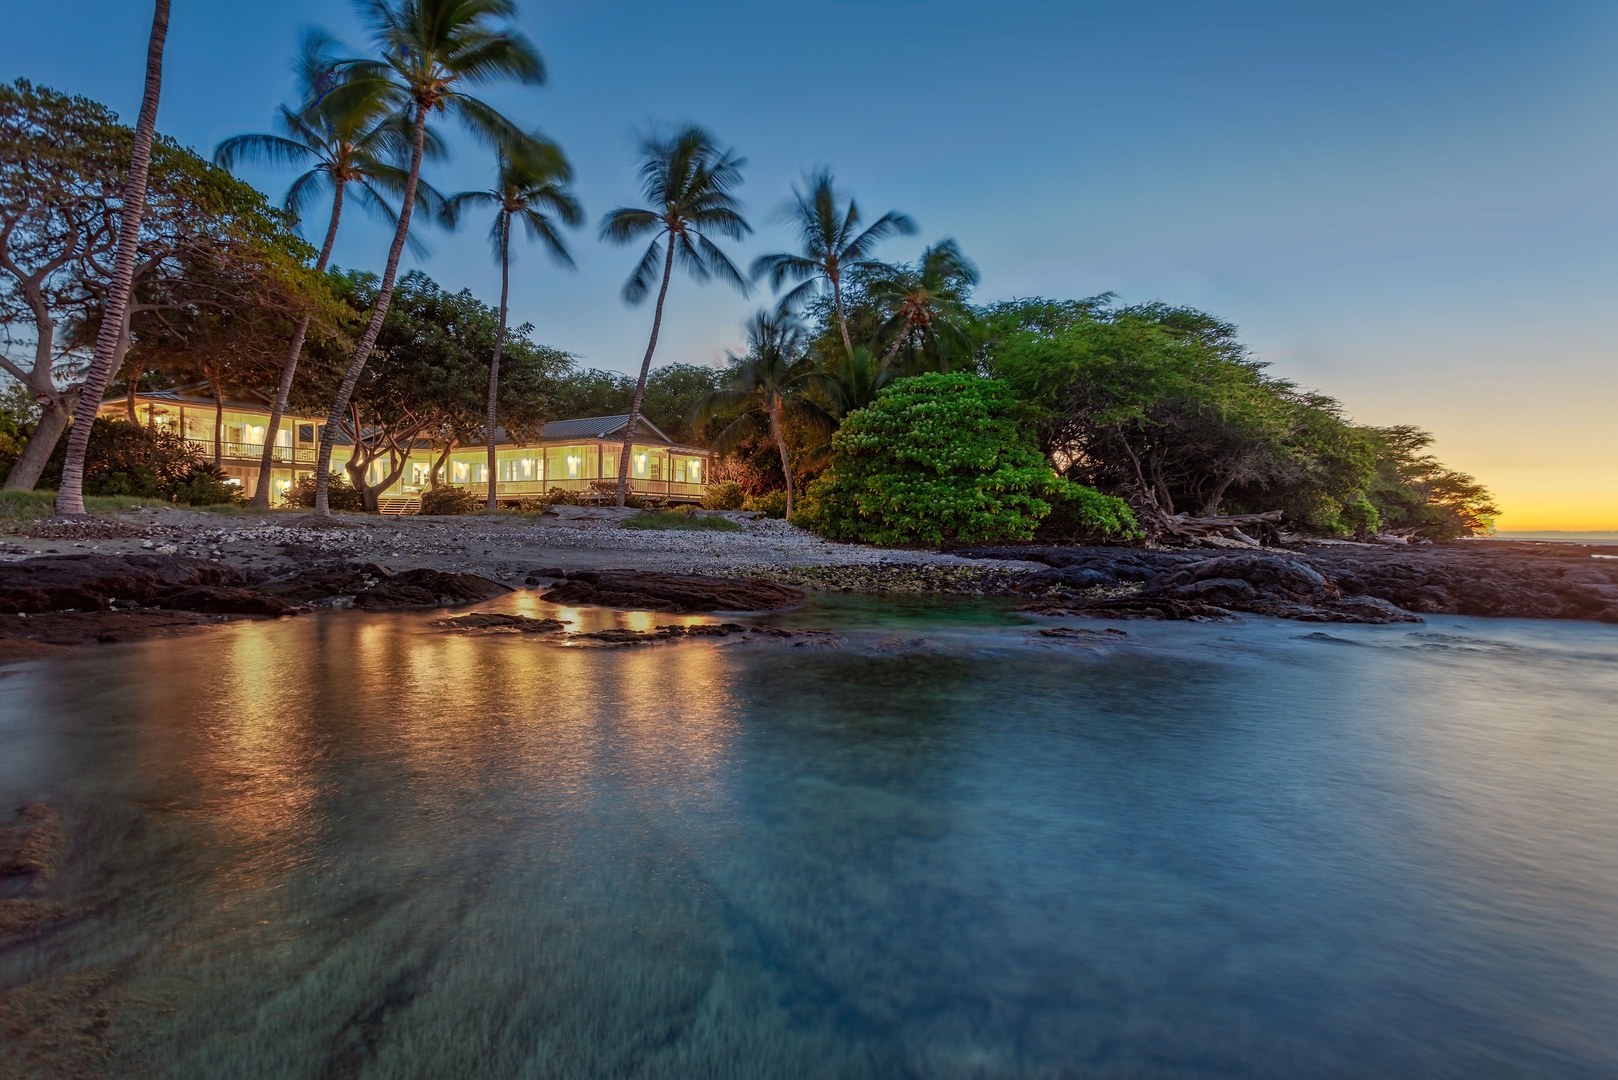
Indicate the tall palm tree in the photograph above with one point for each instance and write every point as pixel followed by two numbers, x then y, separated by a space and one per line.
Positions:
pixel 70 495
pixel 830 243
pixel 531 188
pixel 687 181
pixel 350 141
pixel 929 315
pixel 768 384
pixel 429 49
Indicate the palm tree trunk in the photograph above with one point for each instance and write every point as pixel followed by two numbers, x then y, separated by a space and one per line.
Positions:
pixel 499 340
pixel 261 493
pixel 70 499
pixel 781 447
pixel 218 426
pixel 367 342
pixel 842 320
pixel 640 386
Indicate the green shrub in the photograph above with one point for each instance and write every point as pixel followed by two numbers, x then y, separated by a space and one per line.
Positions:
pixel 1082 514
pixel 770 504
pixel 340 494
pixel 450 502
pixel 680 519
pixel 935 459
pixel 206 485
pixel 726 496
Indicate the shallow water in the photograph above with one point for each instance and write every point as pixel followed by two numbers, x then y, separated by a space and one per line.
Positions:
pixel 356 846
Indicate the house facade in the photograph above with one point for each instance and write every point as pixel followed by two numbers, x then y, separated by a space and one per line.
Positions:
pixel 574 455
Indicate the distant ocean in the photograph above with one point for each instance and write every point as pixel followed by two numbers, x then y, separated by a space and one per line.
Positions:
pixel 1552 536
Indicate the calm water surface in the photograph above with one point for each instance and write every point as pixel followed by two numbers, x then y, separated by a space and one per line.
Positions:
pixel 356 846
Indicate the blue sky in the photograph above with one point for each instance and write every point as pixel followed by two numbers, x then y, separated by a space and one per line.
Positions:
pixel 1411 206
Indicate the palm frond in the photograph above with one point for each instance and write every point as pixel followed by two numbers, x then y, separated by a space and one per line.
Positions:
pixel 644 275
pixel 269 149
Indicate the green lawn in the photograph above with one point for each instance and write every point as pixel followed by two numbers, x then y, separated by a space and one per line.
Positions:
pixel 36 505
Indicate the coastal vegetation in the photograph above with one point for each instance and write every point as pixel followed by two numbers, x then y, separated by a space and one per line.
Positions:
pixel 878 401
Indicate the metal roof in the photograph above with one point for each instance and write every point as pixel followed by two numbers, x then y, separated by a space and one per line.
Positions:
pixel 598 427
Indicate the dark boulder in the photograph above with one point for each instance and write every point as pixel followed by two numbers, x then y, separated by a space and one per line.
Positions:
pixel 96 582
pixel 683 593
pixel 425 588
pixel 225 600
pixel 377 588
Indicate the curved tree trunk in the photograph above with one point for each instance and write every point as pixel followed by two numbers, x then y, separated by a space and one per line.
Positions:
pixel 779 434
pixel 640 386
pixel 362 351
pixel 261 493
pixel 134 388
pixel 499 341
pixel 70 498
pixel 37 451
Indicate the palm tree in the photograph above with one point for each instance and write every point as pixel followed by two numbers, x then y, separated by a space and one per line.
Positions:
pixel 856 379
pixel 687 181
pixel 429 50
pixel 532 187
pixel 929 314
pixel 830 243
pixel 350 140
pixel 70 496
pixel 770 383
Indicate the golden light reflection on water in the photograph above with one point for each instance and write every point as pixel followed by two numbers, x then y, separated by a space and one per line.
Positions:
pixel 259 722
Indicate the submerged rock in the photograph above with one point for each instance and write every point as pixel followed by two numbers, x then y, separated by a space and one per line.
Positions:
pixel 493 622
pixel 621 636
pixel 683 593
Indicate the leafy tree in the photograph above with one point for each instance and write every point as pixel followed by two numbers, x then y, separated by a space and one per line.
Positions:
pixel 768 384
pixel 210 251
pixel 110 339
pixel 935 459
pixel 351 141
pixel 1165 406
pixel 928 312
pixel 830 243
pixel 429 50
pixel 62 166
pixel 687 180
pixel 531 188
pixel 1412 492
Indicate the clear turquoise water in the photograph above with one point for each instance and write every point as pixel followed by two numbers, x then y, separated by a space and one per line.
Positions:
pixel 355 846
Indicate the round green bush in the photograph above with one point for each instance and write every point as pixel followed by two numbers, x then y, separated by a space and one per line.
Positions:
pixel 728 495
pixel 450 502
pixel 935 459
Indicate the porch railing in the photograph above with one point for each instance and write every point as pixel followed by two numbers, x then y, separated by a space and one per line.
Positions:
pixel 254 452
pixel 518 489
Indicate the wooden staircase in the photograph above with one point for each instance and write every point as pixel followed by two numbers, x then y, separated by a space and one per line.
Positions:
pixel 398 504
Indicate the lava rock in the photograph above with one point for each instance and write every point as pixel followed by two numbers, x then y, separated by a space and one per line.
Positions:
pixel 225 600
pixel 687 594
pixel 96 582
pixel 425 588
pixel 493 622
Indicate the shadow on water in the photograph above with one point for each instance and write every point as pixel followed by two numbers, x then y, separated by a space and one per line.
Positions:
pixel 355 846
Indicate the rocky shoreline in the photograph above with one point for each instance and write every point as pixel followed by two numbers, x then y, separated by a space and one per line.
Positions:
pixel 1325 582
pixel 135 577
